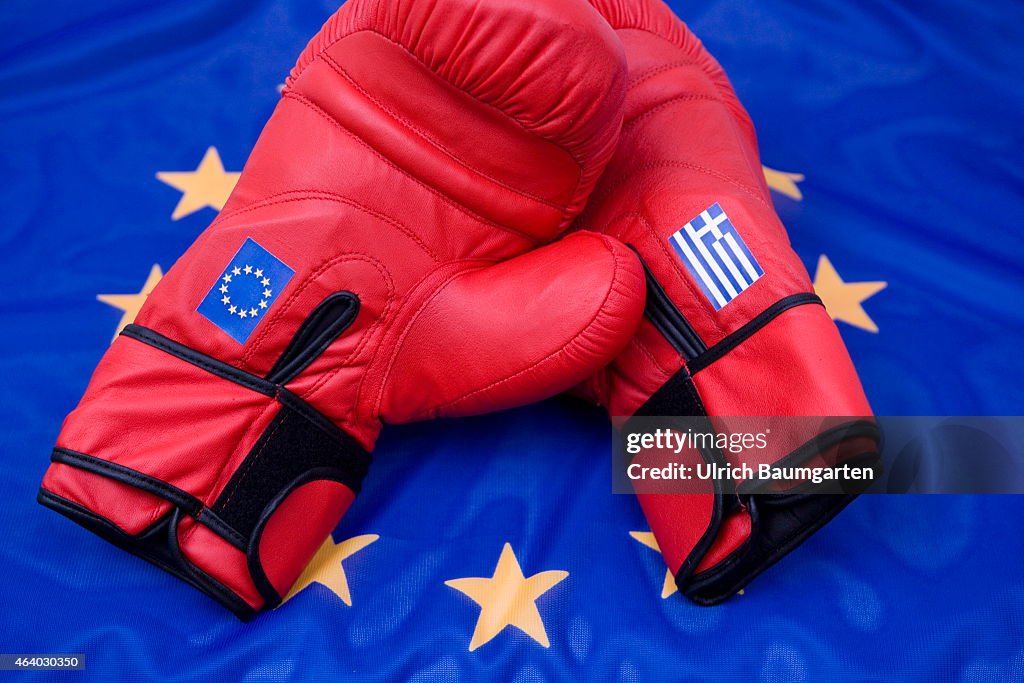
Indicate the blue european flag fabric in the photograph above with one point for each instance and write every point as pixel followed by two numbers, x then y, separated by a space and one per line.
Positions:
pixel 246 290
pixel 492 548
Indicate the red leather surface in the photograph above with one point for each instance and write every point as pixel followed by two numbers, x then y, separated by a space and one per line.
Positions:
pixel 511 323
pixel 795 365
pixel 130 509
pixel 420 154
pixel 315 508
pixel 735 530
pixel 333 144
pixel 686 144
pixel 679 522
pixel 516 57
pixel 166 418
pixel 215 556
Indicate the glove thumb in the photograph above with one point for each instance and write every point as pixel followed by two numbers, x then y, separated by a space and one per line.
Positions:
pixel 518 331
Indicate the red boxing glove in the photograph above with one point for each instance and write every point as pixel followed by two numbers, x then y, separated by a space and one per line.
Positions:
pixel 378 261
pixel 733 327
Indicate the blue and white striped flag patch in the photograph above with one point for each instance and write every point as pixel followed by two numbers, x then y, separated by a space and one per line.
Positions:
pixel 716 256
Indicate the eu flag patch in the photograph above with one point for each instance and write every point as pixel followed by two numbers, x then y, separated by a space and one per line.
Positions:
pixel 716 256
pixel 245 291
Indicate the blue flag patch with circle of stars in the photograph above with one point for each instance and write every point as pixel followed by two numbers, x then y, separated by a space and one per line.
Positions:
pixel 245 291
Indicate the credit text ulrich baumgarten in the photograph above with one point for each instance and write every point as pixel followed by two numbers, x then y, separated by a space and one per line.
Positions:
pixel 668 440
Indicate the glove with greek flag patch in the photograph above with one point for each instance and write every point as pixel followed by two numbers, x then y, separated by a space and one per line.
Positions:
pixel 733 334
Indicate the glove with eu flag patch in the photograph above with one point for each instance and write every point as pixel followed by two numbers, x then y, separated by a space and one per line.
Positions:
pixel 383 258
pixel 733 333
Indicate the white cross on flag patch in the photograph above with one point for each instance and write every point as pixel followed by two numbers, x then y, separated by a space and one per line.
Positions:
pixel 716 256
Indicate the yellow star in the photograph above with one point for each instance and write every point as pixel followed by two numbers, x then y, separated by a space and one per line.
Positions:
pixel 843 299
pixel 208 185
pixel 783 182
pixel 647 538
pixel 131 303
pixel 325 567
pixel 508 599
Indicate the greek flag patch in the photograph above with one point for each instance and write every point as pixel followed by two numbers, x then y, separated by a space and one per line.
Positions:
pixel 716 256
pixel 245 291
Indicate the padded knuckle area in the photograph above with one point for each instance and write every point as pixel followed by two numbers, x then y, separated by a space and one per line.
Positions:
pixel 553 68
pixel 470 152
pixel 506 335
pixel 675 48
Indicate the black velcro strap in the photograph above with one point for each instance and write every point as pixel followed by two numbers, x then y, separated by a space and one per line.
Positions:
pixel 781 523
pixel 297 441
pixel 676 397
pixel 293 444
